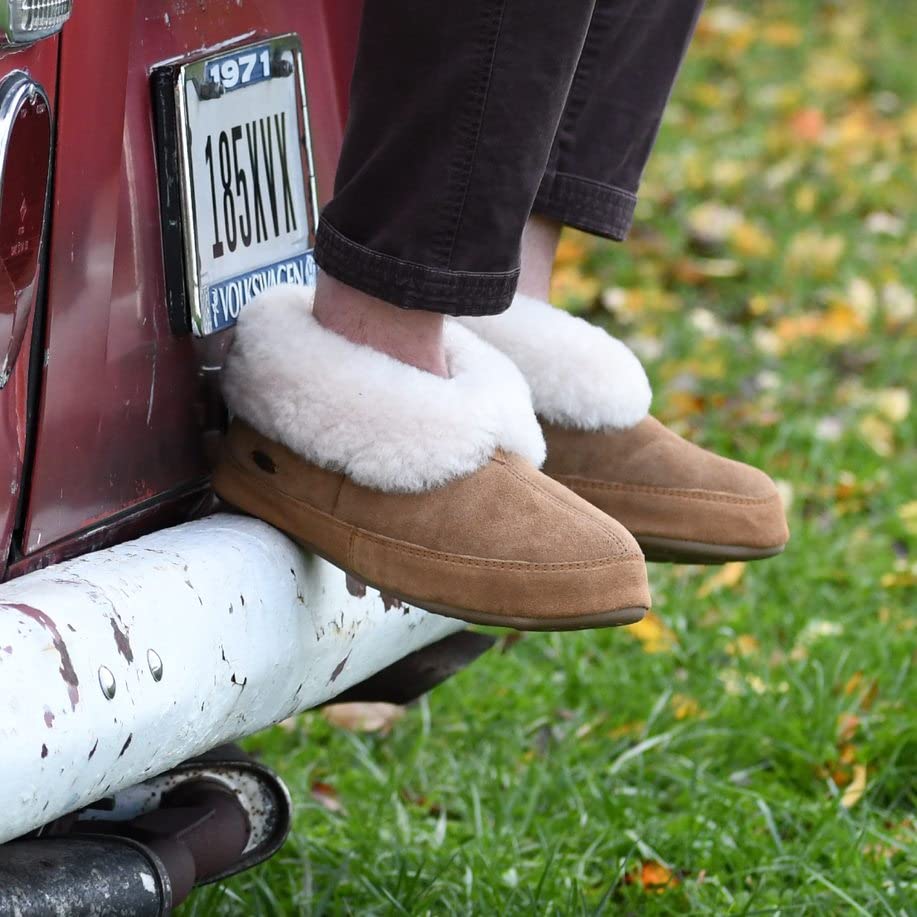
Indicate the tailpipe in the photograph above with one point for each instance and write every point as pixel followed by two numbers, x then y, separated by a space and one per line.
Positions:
pixel 72 876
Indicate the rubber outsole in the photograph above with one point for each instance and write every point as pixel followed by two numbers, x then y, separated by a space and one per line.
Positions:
pixel 670 550
pixel 231 483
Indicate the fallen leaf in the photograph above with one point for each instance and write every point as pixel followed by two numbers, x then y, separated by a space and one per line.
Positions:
pixel 685 707
pixel 363 717
pixel 655 636
pixel 812 253
pixel 327 797
pixel 627 729
pixel 782 34
pixel 857 787
pixel 908 515
pixel 893 403
pixel 652 877
pixel 848 725
pixel 808 124
pixel 729 575
pixel 878 434
pixel 743 645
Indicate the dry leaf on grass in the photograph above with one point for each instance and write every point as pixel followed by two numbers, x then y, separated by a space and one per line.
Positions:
pixel 728 576
pixel 363 717
pixel 652 877
pixel 653 633
pixel 857 787
pixel 327 797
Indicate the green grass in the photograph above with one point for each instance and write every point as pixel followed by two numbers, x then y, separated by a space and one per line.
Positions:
pixel 541 779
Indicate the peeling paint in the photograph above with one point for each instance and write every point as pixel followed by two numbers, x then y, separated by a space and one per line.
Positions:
pixel 8 650
pixel 67 672
pixel 339 668
pixel 92 750
pixel 122 642
pixel 126 745
pixel 44 751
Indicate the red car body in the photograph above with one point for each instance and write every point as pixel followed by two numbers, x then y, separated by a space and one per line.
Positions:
pixel 108 421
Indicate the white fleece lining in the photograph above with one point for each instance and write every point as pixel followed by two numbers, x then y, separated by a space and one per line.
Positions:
pixel 580 376
pixel 383 423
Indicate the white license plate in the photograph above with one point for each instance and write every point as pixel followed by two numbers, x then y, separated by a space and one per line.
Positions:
pixel 249 202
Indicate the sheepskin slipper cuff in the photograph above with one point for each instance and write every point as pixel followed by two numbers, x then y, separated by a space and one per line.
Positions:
pixel 580 376
pixel 351 409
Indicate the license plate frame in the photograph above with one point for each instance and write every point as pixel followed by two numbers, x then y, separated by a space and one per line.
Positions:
pixel 205 291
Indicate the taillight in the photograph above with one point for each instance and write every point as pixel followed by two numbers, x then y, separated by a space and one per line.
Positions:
pixel 25 158
pixel 23 21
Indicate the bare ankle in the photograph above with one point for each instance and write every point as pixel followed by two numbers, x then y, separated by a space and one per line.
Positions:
pixel 539 247
pixel 411 336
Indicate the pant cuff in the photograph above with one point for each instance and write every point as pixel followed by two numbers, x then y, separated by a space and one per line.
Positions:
pixel 409 285
pixel 601 210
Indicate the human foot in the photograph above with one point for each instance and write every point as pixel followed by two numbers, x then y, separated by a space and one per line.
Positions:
pixel 423 487
pixel 681 502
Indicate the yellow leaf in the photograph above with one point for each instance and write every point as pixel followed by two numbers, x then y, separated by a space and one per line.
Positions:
pixel 893 403
pixel 743 645
pixel 908 515
pixel 627 729
pixel 751 240
pixel 684 707
pixel 814 254
pixel 878 434
pixel 901 579
pixel 729 575
pixel 833 73
pixel 782 34
pixel 857 787
pixel 655 636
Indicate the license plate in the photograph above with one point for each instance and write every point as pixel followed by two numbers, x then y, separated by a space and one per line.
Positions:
pixel 248 204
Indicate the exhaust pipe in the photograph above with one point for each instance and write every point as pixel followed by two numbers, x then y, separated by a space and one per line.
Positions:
pixel 143 850
pixel 82 877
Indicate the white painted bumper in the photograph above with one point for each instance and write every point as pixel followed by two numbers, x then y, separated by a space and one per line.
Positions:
pixel 248 630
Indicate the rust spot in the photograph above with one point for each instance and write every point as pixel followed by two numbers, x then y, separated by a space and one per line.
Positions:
pixel 264 461
pixel 389 601
pixel 44 751
pixel 121 641
pixel 355 587
pixel 67 672
pixel 49 717
pixel 339 667
pixel 126 745
pixel 92 750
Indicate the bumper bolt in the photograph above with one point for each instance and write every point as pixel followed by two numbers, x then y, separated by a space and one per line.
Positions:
pixel 155 664
pixel 107 682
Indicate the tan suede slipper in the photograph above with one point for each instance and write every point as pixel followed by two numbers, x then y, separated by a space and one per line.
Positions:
pixel 422 487
pixel 681 502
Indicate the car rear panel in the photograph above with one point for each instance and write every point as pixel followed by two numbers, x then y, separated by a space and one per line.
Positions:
pixel 124 403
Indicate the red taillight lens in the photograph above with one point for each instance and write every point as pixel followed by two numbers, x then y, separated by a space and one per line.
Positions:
pixel 25 161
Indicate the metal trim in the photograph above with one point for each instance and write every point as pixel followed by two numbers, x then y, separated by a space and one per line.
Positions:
pixel 8 37
pixel 16 90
